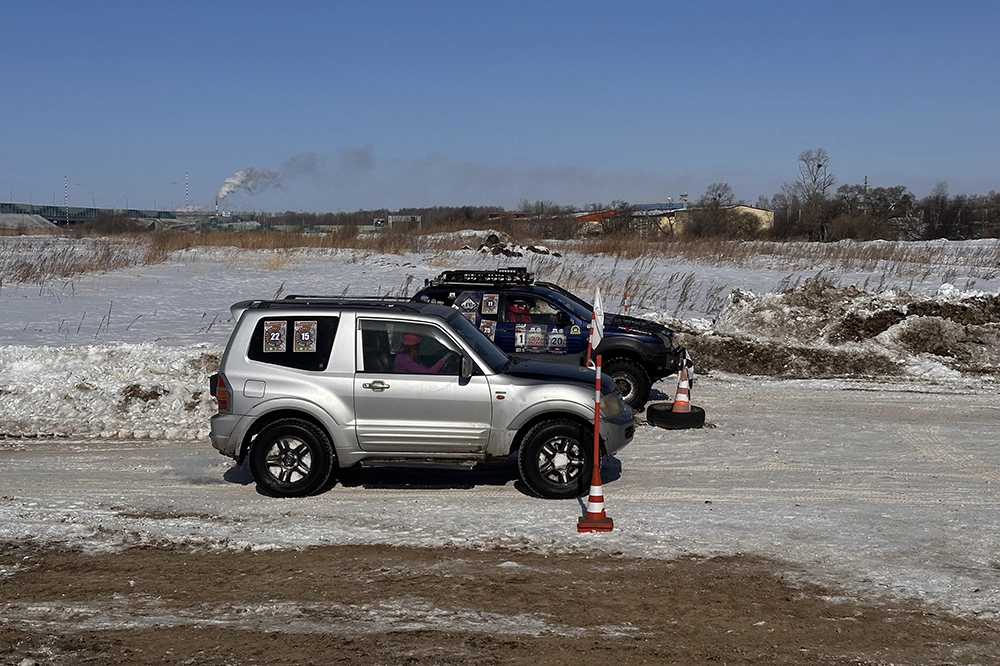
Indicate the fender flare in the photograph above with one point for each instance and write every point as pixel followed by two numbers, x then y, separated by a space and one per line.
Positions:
pixel 252 422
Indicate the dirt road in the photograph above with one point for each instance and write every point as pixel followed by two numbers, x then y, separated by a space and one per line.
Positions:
pixel 813 523
pixel 384 605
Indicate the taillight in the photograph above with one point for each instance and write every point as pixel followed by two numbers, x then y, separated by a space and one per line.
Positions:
pixel 222 394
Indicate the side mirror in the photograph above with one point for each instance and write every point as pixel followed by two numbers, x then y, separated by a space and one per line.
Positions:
pixel 563 319
pixel 467 367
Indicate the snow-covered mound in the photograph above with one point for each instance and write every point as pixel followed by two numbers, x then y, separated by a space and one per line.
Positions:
pixel 106 391
pixel 24 221
pixel 821 330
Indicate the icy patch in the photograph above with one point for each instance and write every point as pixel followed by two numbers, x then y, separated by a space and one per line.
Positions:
pixel 133 612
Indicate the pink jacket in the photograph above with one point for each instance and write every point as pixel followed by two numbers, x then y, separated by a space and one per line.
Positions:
pixel 404 363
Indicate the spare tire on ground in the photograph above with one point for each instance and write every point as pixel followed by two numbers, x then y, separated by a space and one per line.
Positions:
pixel 661 416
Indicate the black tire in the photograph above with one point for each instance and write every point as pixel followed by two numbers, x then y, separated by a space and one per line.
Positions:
pixel 291 458
pixel 555 460
pixel 661 416
pixel 631 380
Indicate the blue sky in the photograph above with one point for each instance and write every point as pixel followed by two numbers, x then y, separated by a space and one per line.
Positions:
pixel 391 104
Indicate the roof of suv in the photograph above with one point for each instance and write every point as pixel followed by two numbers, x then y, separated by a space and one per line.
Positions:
pixel 370 304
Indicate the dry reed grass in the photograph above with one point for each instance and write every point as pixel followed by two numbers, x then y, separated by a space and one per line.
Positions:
pixel 640 275
pixel 636 270
pixel 33 260
pixel 894 256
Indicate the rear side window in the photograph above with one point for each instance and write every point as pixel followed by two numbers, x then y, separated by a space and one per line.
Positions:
pixel 294 342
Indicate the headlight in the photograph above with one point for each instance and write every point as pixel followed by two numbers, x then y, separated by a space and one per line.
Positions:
pixel 612 405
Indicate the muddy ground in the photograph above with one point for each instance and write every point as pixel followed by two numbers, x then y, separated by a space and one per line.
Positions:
pixel 387 605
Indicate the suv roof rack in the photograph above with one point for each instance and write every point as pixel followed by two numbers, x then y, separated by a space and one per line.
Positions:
pixel 341 299
pixel 497 276
pixel 372 302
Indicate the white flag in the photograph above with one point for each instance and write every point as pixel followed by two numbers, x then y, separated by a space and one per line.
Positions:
pixel 597 322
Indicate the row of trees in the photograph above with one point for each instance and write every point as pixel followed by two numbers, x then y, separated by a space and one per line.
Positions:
pixel 436 216
pixel 811 208
pixel 808 207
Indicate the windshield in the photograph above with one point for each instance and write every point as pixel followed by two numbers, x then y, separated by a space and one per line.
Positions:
pixel 482 345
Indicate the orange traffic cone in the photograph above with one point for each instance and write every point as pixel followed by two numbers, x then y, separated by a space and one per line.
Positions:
pixel 596 519
pixel 680 413
pixel 682 400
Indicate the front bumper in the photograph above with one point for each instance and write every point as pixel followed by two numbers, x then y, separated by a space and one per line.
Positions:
pixel 617 431
pixel 663 363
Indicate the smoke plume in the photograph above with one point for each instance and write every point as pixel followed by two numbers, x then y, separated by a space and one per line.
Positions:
pixel 248 179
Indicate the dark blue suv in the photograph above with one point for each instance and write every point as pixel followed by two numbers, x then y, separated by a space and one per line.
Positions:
pixel 543 320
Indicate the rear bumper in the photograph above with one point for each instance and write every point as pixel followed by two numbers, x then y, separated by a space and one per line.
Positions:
pixel 224 427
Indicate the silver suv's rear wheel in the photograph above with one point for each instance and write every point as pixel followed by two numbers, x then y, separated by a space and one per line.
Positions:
pixel 555 460
pixel 291 458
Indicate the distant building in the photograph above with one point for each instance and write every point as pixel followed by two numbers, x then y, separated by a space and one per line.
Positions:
pixel 404 222
pixel 673 221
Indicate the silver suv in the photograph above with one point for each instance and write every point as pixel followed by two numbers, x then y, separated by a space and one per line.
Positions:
pixel 311 383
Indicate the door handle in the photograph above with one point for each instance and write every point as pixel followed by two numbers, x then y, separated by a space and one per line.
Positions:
pixel 378 385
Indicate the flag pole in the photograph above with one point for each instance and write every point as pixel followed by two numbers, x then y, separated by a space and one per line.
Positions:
pixel 590 338
pixel 596 327
pixel 595 519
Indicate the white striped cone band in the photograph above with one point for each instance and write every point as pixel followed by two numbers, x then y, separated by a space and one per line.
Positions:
pixel 682 401
pixel 595 503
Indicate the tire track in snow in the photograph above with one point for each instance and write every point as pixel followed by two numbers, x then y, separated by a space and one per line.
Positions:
pixel 932 444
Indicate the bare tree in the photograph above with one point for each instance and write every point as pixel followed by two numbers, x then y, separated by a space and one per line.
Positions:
pixel 622 221
pixel 541 207
pixel 815 177
pixel 720 193
pixel 714 215
pixel 809 211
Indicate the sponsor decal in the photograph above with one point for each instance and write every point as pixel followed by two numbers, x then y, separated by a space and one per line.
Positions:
pixel 557 341
pixel 275 336
pixel 491 304
pixel 304 336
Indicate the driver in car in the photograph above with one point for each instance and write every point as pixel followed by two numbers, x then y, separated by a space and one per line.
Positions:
pixel 408 360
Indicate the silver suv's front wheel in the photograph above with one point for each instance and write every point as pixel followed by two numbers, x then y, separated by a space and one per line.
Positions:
pixel 291 458
pixel 555 460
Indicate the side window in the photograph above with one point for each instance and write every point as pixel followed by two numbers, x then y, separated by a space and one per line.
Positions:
pixel 524 308
pixel 392 346
pixel 547 313
pixel 294 342
pixel 376 351
pixel 516 308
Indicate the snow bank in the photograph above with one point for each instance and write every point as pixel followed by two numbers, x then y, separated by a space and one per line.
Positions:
pixel 106 391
